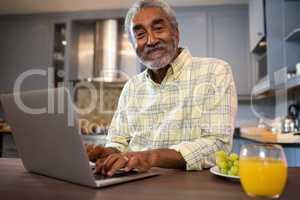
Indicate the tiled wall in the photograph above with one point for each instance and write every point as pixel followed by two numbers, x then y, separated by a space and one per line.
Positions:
pixel 107 101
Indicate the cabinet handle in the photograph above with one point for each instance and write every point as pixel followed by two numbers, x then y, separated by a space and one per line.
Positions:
pixel 259 33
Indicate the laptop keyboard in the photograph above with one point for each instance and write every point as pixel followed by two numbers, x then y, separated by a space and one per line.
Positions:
pixel 119 173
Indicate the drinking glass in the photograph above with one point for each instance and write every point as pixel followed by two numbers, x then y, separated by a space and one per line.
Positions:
pixel 263 169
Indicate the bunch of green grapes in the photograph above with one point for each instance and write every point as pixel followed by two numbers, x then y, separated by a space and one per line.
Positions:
pixel 227 164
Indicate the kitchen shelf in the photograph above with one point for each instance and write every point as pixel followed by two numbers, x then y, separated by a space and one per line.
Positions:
pixel 293 82
pixel 293 35
pixel 262 87
pixel 290 83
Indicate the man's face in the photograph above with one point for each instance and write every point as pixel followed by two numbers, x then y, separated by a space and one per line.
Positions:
pixel 156 42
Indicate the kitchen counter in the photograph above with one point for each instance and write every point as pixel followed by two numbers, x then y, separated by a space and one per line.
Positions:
pixel 265 136
pixel 16 183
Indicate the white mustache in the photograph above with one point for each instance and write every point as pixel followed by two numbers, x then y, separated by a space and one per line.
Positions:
pixel 157 46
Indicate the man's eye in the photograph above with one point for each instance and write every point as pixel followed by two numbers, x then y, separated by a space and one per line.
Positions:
pixel 139 35
pixel 158 28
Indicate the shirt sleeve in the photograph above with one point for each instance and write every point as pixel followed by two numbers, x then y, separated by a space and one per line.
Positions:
pixel 118 135
pixel 215 119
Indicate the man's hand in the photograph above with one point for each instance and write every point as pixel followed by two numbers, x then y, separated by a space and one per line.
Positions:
pixel 99 152
pixel 142 161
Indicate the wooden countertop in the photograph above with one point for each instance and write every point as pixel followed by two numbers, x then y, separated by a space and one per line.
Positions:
pixel 266 136
pixel 5 132
pixel 4 128
pixel 16 183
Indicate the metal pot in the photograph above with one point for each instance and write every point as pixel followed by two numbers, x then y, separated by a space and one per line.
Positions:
pixel 287 125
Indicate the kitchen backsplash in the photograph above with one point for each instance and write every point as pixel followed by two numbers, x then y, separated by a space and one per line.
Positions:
pixel 106 103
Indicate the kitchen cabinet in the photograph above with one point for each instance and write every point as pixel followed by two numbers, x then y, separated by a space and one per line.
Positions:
pixel 282 37
pixel 256 22
pixel 228 40
pixel 291 54
pixel 25 45
pixel 221 33
pixel 291 34
pixel 274 24
pixel 282 50
pixel 7 145
pixel 193 32
pixel 272 53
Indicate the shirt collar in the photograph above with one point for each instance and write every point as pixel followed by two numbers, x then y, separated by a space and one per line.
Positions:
pixel 180 61
pixel 177 65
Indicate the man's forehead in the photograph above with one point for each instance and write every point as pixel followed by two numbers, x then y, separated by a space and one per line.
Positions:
pixel 147 15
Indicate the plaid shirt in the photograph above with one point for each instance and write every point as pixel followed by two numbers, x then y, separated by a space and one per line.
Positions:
pixel 192 111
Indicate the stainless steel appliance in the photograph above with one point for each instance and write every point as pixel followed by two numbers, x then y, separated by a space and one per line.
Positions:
pixel 104 53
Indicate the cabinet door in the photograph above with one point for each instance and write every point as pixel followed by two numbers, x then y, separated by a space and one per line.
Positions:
pixel 24 45
pixel 193 32
pixel 256 22
pixel 229 41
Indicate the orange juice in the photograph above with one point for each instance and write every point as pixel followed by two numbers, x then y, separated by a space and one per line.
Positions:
pixel 263 177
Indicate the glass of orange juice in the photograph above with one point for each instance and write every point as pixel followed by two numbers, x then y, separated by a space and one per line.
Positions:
pixel 263 169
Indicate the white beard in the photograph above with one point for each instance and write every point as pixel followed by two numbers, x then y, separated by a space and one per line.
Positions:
pixel 162 62
pixel 157 64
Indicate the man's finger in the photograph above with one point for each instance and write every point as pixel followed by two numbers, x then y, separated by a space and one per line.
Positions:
pixel 120 163
pixel 96 152
pixel 89 147
pixel 108 163
pixel 99 165
pixel 136 162
pixel 132 163
pixel 143 166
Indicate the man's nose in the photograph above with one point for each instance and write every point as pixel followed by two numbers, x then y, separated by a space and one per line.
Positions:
pixel 152 39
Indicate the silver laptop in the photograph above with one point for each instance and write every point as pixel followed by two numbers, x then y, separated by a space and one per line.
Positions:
pixel 47 141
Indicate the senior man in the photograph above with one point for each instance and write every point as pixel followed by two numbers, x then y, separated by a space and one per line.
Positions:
pixel 175 114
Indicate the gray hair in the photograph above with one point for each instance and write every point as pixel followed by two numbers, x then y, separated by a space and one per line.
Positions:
pixel 141 4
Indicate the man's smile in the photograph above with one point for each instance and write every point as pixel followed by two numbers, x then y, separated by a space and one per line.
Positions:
pixel 155 53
